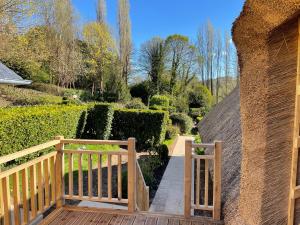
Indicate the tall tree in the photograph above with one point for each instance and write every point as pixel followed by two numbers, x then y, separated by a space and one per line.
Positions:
pixel 209 38
pixel 201 54
pixel 101 47
pixel 218 50
pixel 101 11
pixel 227 61
pixel 152 60
pixel 177 47
pixel 125 48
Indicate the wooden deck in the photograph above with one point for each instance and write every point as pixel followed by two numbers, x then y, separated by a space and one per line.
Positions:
pixel 87 216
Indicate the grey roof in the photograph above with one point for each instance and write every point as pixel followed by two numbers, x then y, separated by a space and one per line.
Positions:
pixel 7 76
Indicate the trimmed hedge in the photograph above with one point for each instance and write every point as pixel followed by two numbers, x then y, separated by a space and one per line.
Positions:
pixel 144 125
pixel 98 122
pixel 23 127
pixel 160 100
pixel 183 121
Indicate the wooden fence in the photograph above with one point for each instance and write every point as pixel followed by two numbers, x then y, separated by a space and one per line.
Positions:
pixel 37 185
pixel 191 159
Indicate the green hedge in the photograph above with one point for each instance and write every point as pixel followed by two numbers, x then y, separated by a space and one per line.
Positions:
pixel 23 127
pixel 98 122
pixel 144 125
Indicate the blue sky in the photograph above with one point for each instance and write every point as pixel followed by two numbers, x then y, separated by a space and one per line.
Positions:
pixel 164 17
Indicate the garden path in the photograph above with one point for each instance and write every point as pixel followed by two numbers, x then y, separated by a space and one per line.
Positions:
pixel 169 197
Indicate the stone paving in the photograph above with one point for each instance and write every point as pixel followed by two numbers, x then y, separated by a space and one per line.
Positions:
pixel 169 197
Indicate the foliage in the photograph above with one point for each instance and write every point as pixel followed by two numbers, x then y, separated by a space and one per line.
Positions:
pixel 199 151
pixel 183 121
pixel 99 121
pixel 135 103
pixel 172 131
pixel 21 96
pixel 199 96
pixel 152 61
pixel 181 103
pixel 141 124
pixel 141 90
pixel 160 100
pixel 163 153
pixel 23 127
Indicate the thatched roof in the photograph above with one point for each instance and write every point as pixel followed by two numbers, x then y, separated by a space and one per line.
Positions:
pixel 7 76
pixel 258 19
pixel 223 123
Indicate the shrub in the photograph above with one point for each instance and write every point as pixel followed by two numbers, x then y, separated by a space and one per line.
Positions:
pixel 23 127
pixel 135 103
pixel 163 153
pixel 141 90
pixel 160 100
pixel 141 124
pixel 181 104
pixel 99 121
pixel 172 131
pixel 200 97
pixel 183 121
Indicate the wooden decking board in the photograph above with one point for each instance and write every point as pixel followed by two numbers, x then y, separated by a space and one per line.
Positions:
pixel 69 216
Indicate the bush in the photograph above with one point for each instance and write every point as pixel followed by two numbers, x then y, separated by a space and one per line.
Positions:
pixel 141 90
pixel 172 132
pixel 183 121
pixel 99 122
pixel 141 124
pixel 23 127
pixel 135 103
pixel 160 100
pixel 200 97
pixel 181 104
pixel 163 153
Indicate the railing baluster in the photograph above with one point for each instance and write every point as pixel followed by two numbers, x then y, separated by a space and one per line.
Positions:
pixel 198 183
pixel 32 171
pixel 90 176
pixel 46 182
pixel 24 174
pixel 188 179
pixel 206 184
pixel 16 198
pixel 217 181
pixel 119 177
pixel 99 176
pixel 52 178
pixel 6 200
pixel 40 187
pixel 109 175
pixel 70 156
pixel 59 178
pixel 131 175
pixel 80 179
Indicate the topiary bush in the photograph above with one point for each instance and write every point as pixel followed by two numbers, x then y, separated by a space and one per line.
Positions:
pixel 144 125
pixel 99 121
pixel 183 121
pixel 160 100
pixel 135 103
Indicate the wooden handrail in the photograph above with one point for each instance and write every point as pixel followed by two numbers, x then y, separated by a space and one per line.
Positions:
pixel 94 142
pixel 28 151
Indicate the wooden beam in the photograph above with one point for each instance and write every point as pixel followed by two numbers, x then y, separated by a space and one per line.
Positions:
pixel 188 178
pixel 131 175
pixel 217 181
pixel 295 150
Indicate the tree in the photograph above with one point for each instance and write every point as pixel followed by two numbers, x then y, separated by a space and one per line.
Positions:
pixel 227 53
pixel 177 47
pixel 152 61
pixel 101 48
pixel 218 63
pixel 209 38
pixel 125 48
pixel 101 11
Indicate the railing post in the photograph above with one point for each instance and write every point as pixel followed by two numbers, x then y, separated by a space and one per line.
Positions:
pixel 59 173
pixel 188 178
pixel 217 181
pixel 131 175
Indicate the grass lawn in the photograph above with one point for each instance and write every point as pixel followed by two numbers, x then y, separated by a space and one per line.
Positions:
pixel 100 148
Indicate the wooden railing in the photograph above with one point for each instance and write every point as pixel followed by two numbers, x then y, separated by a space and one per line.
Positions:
pixel 142 189
pixel 42 179
pixel 30 185
pixel 193 163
